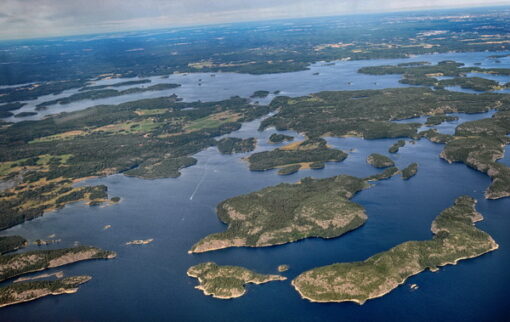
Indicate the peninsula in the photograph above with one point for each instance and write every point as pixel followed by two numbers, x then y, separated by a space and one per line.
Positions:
pixel 33 290
pixel 11 243
pixel 33 261
pixel 479 144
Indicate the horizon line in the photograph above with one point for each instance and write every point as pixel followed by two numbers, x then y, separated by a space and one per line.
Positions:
pixel 184 26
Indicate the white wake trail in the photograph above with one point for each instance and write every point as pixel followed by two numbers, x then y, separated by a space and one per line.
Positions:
pixel 200 181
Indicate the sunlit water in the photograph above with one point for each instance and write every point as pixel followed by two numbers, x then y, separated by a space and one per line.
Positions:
pixel 149 283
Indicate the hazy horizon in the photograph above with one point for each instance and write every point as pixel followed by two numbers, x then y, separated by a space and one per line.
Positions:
pixel 52 18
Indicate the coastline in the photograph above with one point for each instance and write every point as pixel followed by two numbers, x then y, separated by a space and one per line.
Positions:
pixel 201 287
pixel 37 293
pixel 361 302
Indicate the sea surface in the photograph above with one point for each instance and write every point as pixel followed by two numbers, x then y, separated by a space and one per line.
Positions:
pixel 321 76
pixel 149 282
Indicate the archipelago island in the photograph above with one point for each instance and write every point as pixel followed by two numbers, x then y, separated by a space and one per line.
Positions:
pixel 289 212
pixel 379 161
pixel 227 282
pixel 310 153
pixel 455 238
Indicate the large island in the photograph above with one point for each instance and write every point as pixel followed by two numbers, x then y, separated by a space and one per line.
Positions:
pixel 288 212
pixel 455 238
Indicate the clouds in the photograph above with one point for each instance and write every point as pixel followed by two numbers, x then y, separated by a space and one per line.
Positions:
pixel 34 18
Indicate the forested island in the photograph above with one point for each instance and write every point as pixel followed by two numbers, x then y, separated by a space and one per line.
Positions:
pixel 379 161
pixel 104 93
pixel 118 84
pixel 260 94
pixel 455 238
pixel 396 146
pixel 434 136
pixel 279 138
pixel 236 145
pixel 25 114
pixel 288 212
pixel 294 156
pixel 227 282
pixel 410 171
pixel 438 119
pixel 386 174
pixel 290 169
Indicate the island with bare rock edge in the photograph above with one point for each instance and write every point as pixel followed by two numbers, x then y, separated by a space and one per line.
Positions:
pixel 227 282
pixel 289 212
pixel 455 238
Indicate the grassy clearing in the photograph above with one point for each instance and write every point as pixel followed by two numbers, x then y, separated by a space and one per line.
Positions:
pixel 212 121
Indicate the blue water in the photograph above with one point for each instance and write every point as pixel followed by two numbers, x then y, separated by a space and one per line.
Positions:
pixel 341 75
pixel 149 283
pixel 506 157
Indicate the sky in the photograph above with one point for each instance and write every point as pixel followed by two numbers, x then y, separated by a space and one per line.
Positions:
pixel 42 18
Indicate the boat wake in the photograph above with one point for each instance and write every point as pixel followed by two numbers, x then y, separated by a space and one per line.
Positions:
pixel 200 181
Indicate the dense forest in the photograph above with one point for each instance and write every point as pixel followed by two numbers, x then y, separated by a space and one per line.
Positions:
pixel 455 237
pixel 288 212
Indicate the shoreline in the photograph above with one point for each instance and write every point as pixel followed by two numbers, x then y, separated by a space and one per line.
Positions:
pixel 68 291
pixel 360 302
pixel 46 292
pixel 190 251
pixel 200 286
